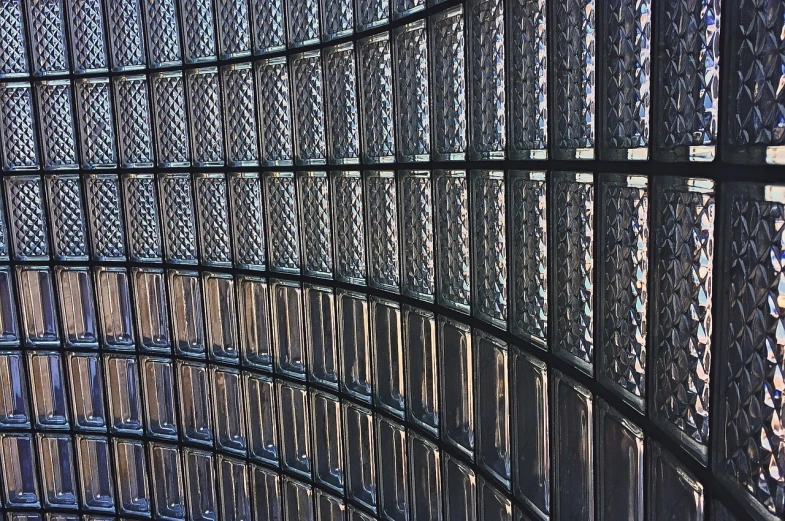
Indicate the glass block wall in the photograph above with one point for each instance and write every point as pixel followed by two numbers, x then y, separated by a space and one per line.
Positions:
pixel 349 260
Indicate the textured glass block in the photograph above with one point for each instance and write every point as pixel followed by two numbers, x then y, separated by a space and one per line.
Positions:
pixel 171 120
pixel 266 486
pixel 186 311
pixel 141 217
pixel 272 82
pixel 328 445
pixel 453 273
pixel 114 307
pixel 9 331
pixel 487 94
pixel 342 117
pixel 418 236
pixel 46 23
pixel 572 215
pixel 573 455
pixel 86 384
pixel 229 420
pixel 406 7
pixel 134 124
pixel 88 46
pixel 295 423
pixel 337 18
pixel 193 388
pixel 316 224
pixel 456 374
pixel 126 36
pixel 198 28
pixel 372 13
pixel 320 335
pixel 152 318
pixel 28 225
pixel 17 133
pixel 13 55
pixel 489 238
pixel 221 322
pixel 269 27
pixel 104 212
pixel 282 219
pixel 262 414
pixel 349 222
pixel 683 263
pixel 573 78
pixel 47 381
pixel 235 500
pixel 426 479
pixel 77 308
pixel 14 406
pixel 393 470
pixel 93 455
pixel 133 496
pixel 39 309
pixel 96 123
pixel 493 505
pixel 673 492
pixel 303 20
pixel 376 99
pixel 624 270
pixel 248 234
pixel 412 90
pixel 212 209
pixel 57 130
pixel 298 500
pixel 388 356
pixel 460 490
pixel 382 218
pixel 360 464
pixel 354 341
pixel 234 31
pixel 528 256
pixel 200 485
pixel 493 406
pixel 178 217
pixel 20 477
pixel 206 116
pixel 123 394
pixel 167 482
pixel 310 147
pixel 752 126
pixel 527 97
pixel 163 38
pixel 56 455
pixel 687 101
pixel 620 467
pixel 242 144
pixel 254 328
pixel 422 380
pixel 287 319
pixel 327 507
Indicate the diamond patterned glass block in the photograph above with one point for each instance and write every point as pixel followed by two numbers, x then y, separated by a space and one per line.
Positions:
pixel 104 213
pixel 67 217
pixel 18 129
pixel 134 123
pixel 337 18
pixel 572 215
pixel 372 13
pixel 141 218
pixel 417 227
pixel 624 269
pixel 382 218
pixel 303 20
pixel 28 224
pixel 282 219
pixel 269 26
pixel 316 223
pixel 248 233
pixel 198 27
pixel 126 35
pixel 13 54
pixel 272 82
pixel 212 203
pixel 573 78
pixel 46 24
pixel 242 144
pixel 234 31
pixel 96 123
pixel 171 121
pixel 206 116
pixel 310 146
pixel 453 273
pixel 376 95
pixel 55 112
pixel 412 92
pixel 178 217
pixel 88 40
pixel 163 38
pixel 349 223
pixel 342 117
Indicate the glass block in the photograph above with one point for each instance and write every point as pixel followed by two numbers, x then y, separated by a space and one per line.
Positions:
pixel 349 223
pixel 449 85
pixel 393 470
pixel 460 490
pixel 152 320
pixel 328 508
pixel 134 125
pixel 114 307
pixel 320 335
pixel 625 60
pixel 240 124
pixel 57 129
pixel 133 496
pixel 19 471
pixel 354 341
pixel 372 13
pixel 310 143
pixel 382 209
pixel 248 234
pixel 221 323
pixel 573 78
pixel 456 374
pixel 687 101
pixel 141 217
pixel 342 117
pixel 234 31
pixel 303 19
pixel 206 116
pixel 403 8
pixel 316 224
pixel 493 406
pixel 123 394
pixel 337 19
pixel 573 455
pixel 9 330
pixel 376 98
pixel 158 382
pixel 683 263
pixel 531 447
pixel 96 123
pixel 212 201
pixel 234 495
pixel 19 148
pixel 126 36
pixel 673 492
pixel 48 385
pixel 104 212
pixel 412 88
pixel 298 500
pixel 46 23
pixel 487 93
pixel 28 224
pixel 356 515
pixel 13 55
pixel 97 488
pixel 200 485
pixel 620 466
pixel 14 405
pixel 167 478
pixel 360 464
pixel 388 356
pixel 254 327
pixel 529 256
pixel 453 274
pixel 198 28
pixel 494 506
pixel 163 38
pixel 178 217
pixel 229 420
pixel 425 475
pixel 266 486
pixel 186 311
pixel 171 120
pixel 295 423
pixel 269 27
pixel 418 257
pixel 39 309
pixel 272 83
pixel 489 237
pixel 88 45
pixel 282 219
pixel 422 379
pixel 86 383
pixel 287 318
pixel 262 414
pixel 573 217
pixel 193 391
pixel 328 445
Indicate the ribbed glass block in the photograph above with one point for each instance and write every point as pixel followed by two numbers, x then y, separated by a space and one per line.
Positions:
pixel 133 495
pixel 453 275
pixel 412 92
pixel 122 394
pixel 163 38
pixel 382 219
pixel 269 26
pixel 456 373
pixel 206 116
pixel 272 82
pixel 47 381
pixel 328 446
pixel 388 356
pixel 194 396
pixel 39 322
pixel 20 477
pixel 493 406
pixel 167 482
pixel 295 421
pixel 426 479
pixel 286 303
pixel 263 444
pixel 13 55
pixel 134 121
pixel 377 100
pixel 200 485
pixel 88 40
pixel 372 13
pixel 355 344
pixel 422 379
pixel 393 470
pixel 221 323
pixel 157 379
pixel 86 389
pixel 95 117
pixel 310 143
pixel 303 20
pixel 298 501
pixel 240 124
pixel 460 490
pixel 349 224
pixel 234 31
pixel 114 307
pixel 20 151
pixel 337 18
pixel 493 505
pixel 198 28
pixel 573 78
pixel 228 419
pixel 672 490
pixel 186 312
pixel 361 466
pixel 152 319
pixel 46 24
pixel 234 497
pixel 126 35
pixel 316 223
pixel 342 116
pixel 254 322
pixel 248 232
pixel 320 334
pixel 418 257
pixel 620 466
pixel 93 454
pixel 282 219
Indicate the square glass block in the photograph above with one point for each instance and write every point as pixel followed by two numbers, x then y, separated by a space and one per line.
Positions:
pixel 163 37
pixel 56 458
pixel 18 133
pixel 95 118
pixel 13 56
pixel 57 128
pixel 422 379
pixel 114 307
pixel 206 116
pixel 141 218
pixel 493 406
pixel 376 98
pixel 14 407
pixel 624 270
pixel 453 263
pixel 19 471
pixel 320 335
pixel 126 35
pixel 572 104
pixel 88 36
pixel 198 28
pixel 310 146
pixel 39 309
pixel 212 201
pixel 683 211
pixel 178 215
pixel 572 215
pixel 417 228
pixel 372 13
pixel 412 90
pixel 337 19
pixel 388 356
pixel 620 466
pixel 171 119
pixel 228 417
pixel 687 97
pixel 185 297
pixel 240 123
pixel 28 224
pixel 200 485
pixel 248 221
pixel 624 62
pixel 456 374
pixel 342 117
pixel 355 344
pixel 253 305
pixel 349 227
pixel 425 475
pixel 268 21
pixel 193 388
pixel 86 390
pixel 282 221
pixel 303 20
pixel 361 465
pixel 295 428
pixel 313 190
pixel 77 306
pixel 460 490
pixel 134 122
pixel 133 483
pixel 287 318
pixel 275 114
pixel 382 218
pixel 393 470
pixel 328 444
pixel 673 491
pixel 234 30
pixel 46 24
pixel 573 456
